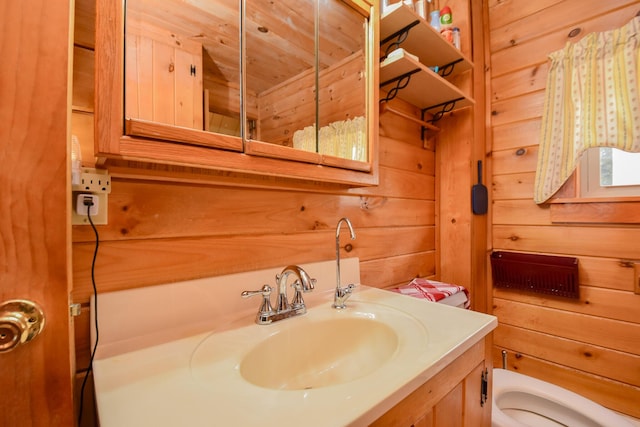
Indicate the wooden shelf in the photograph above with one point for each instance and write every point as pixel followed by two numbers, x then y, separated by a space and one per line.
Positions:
pixel 426 89
pixel 423 41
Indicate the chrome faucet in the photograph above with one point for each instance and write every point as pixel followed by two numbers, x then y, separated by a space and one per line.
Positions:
pixel 342 294
pixel 284 308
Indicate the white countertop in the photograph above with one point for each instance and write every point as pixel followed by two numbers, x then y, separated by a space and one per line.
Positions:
pixel 164 384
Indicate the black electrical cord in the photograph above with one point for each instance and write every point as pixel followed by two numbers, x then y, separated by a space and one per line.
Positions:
pixel 95 309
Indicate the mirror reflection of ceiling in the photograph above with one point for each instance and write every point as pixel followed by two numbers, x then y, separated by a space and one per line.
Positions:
pixel 275 30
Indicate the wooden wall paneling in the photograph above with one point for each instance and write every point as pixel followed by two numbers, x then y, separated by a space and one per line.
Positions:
pixel 601 212
pixel 523 107
pixel 398 183
pixel 120 265
pixel 513 186
pixel 523 159
pixel 290 106
pixel 607 273
pixel 520 82
pixel 397 270
pixel 556 17
pixel 82 128
pixel 515 135
pixel 206 211
pixel 590 241
pixel 83 72
pixel 342 90
pixel 400 155
pixel 515 212
pixel 505 11
pixel 535 50
pixel 295 97
pixel 616 395
pixel 398 128
pixel 613 364
pixel 613 334
pixel 594 301
pixel 224 97
pixel 85 23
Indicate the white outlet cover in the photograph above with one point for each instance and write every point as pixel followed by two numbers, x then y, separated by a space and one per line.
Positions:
pixel 81 209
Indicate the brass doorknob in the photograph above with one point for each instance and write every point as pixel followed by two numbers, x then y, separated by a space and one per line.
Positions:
pixel 20 322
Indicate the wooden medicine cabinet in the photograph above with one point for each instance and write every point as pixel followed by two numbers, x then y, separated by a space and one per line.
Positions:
pixel 286 89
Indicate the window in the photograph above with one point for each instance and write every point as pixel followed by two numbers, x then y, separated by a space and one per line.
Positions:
pixel 609 172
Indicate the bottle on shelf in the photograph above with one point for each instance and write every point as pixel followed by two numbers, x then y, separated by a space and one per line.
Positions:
pixel 435 20
pixel 446 24
pixel 456 37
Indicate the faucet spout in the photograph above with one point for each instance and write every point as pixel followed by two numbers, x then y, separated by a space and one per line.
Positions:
pixel 304 284
pixel 341 293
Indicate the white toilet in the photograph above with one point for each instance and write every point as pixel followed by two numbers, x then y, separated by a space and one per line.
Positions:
pixel 522 401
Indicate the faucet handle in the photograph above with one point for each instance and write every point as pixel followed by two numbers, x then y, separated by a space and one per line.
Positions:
pixel 298 302
pixel 265 308
pixel 341 295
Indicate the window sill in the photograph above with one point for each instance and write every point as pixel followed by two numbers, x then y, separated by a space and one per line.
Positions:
pixel 567 208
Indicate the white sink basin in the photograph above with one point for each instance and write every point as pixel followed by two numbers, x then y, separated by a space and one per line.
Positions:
pixel 323 348
pixel 319 354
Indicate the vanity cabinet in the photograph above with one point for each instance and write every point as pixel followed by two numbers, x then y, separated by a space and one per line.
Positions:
pixel 459 395
pixel 175 82
pixel 417 61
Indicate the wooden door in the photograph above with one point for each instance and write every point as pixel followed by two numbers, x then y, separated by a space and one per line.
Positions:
pixel 163 75
pixel 35 378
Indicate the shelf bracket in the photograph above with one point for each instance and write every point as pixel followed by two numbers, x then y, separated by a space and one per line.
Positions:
pixel 443 108
pixel 447 69
pixel 400 81
pixel 400 36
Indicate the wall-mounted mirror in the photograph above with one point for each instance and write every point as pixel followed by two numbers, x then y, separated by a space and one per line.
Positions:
pixel 292 80
pixel 305 76
pixel 182 64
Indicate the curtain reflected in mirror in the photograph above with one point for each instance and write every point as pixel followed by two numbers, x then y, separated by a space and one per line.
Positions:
pixel 342 81
pixel 182 64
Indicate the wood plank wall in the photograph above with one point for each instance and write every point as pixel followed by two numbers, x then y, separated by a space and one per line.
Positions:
pixel 161 232
pixel 591 346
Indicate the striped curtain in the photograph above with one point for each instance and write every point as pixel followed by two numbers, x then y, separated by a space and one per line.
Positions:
pixel 592 99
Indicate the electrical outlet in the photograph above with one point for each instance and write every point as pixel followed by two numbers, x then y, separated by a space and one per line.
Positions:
pixel 98 210
pixel 96 185
pixel 92 207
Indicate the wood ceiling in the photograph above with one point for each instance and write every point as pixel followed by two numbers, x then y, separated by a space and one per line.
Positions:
pixel 279 35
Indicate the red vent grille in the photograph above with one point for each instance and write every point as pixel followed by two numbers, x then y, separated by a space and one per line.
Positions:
pixel 544 274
